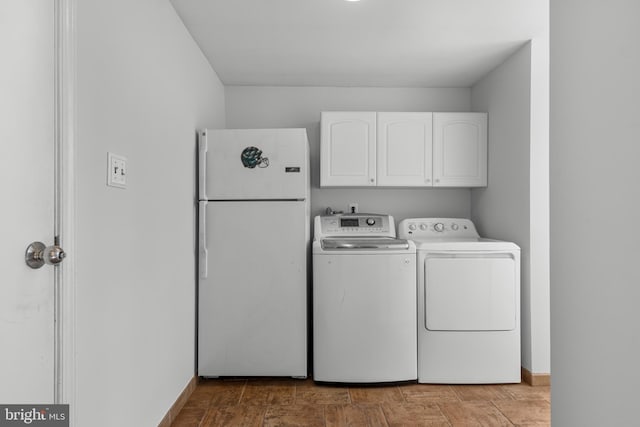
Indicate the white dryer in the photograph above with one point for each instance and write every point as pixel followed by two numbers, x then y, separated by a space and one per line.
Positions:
pixel 364 300
pixel 468 303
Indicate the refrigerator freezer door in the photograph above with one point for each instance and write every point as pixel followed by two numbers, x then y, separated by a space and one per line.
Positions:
pixel 256 164
pixel 252 304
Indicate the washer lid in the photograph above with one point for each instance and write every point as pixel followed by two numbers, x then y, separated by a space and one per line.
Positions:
pixel 364 243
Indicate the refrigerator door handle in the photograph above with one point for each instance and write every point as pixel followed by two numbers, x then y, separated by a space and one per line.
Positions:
pixel 203 261
pixel 202 164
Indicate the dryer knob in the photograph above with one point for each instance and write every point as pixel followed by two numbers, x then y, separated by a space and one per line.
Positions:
pixel 423 227
pixel 370 221
pixel 439 227
pixel 412 226
pixel 454 226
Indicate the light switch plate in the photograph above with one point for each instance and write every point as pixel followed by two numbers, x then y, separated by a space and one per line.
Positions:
pixel 116 171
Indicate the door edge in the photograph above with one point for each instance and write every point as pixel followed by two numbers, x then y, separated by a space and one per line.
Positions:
pixel 65 390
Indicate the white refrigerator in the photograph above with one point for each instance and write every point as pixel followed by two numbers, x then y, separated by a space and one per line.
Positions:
pixel 253 244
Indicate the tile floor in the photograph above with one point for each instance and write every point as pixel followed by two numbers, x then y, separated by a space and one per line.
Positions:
pixel 288 402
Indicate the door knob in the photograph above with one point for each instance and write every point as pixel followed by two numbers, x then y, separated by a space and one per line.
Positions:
pixel 38 254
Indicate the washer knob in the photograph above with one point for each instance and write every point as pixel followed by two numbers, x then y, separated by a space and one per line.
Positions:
pixel 439 227
pixel 370 221
pixel 412 226
pixel 423 227
pixel 454 226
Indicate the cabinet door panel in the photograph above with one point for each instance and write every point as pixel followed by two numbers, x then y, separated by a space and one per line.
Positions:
pixel 460 149
pixel 404 149
pixel 348 149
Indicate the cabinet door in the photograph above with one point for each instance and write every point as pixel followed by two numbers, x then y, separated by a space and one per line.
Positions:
pixel 404 149
pixel 459 149
pixel 348 149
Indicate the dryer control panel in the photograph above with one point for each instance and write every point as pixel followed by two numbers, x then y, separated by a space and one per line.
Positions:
pixel 437 228
pixel 360 224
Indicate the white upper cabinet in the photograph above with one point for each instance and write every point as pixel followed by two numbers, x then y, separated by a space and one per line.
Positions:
pixel 348 149
pixel 404 149
pixel 460 149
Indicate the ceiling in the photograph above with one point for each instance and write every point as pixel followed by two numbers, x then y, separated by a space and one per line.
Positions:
pixel 389 43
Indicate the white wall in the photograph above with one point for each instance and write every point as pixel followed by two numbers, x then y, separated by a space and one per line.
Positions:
pixel 595 149
pixel 269 107
pixel 539 245
pixel 514 206
pixel 144 87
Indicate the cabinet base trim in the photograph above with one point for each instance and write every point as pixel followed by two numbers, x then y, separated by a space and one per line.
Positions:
pixel 535 379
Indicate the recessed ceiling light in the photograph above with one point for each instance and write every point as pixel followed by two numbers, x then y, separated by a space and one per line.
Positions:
pixel 352 0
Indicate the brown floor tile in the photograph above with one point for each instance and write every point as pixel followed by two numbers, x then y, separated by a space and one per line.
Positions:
pixel 287 402
pixel 227 383
pixel 477 413
pixel 223 392
pixel 526 412
pixel 314 394
pixel 526 392
pixel 189 417
pixel 390 394
pixel 200 398
pixel 428 393
pixel 294 415
pixel 481 392
pixel 235 416
pixel 277 392
pixel 354 415
pixel 414 414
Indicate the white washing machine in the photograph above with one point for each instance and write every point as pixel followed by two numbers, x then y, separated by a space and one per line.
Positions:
pixel 468 303
pixel 364 300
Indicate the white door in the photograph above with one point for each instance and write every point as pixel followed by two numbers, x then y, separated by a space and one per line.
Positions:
pixel 404 149
pixel 27 189
pixel 253 289
pixel 470 292
pixel 459 149
pixel 348 149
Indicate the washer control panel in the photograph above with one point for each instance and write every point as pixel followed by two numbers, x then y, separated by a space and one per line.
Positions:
pixel 360 224
pixel 449 228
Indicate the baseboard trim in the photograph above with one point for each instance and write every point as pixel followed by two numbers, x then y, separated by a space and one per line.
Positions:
pixel 535 379
pixel 179 403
